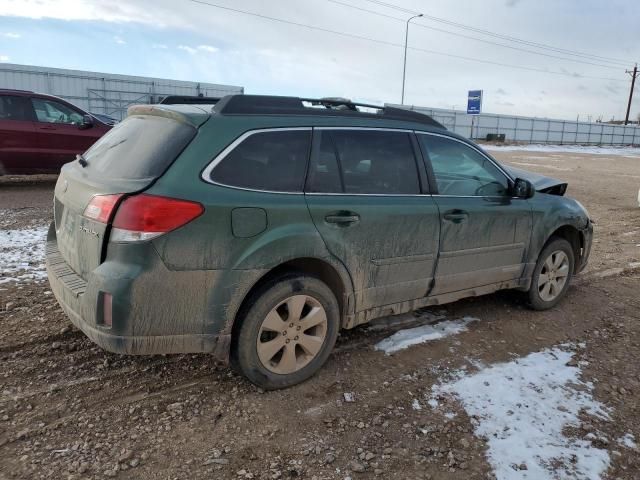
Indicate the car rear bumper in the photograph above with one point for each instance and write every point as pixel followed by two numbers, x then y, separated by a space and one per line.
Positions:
pixel 218 345
pixel 80 301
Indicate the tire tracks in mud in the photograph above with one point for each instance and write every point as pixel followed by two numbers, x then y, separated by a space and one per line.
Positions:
pixel 105 399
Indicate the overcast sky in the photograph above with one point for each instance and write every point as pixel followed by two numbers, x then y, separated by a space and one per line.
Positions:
pixel 186 40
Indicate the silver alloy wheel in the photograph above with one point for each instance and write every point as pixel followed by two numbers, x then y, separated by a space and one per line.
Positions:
pixel 553 275
pixel 292 334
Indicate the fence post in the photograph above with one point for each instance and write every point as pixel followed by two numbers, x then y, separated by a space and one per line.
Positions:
pixel 515 130
pixel 601 133
pixel 562 134
pixel 533 121
pixel 589 135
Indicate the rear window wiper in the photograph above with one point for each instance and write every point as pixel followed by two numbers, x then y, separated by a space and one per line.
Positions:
pixel 81 160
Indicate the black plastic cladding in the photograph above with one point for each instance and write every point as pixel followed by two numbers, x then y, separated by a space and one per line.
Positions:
pixel 277 105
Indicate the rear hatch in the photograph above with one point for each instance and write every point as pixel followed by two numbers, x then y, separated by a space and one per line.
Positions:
pixel 127 160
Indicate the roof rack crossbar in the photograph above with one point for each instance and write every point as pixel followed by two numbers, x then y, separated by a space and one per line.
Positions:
pixel 329 102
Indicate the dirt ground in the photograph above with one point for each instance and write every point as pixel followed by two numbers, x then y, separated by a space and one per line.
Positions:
pixel 70 410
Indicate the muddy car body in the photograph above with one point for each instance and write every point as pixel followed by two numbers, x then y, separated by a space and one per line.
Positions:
pixel 256 229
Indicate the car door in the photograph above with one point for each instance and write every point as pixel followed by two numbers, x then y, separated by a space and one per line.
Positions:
pixel 18 136
pixel 484 231
pixel 371 206
pixel 59 133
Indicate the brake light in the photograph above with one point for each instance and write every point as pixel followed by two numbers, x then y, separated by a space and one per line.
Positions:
pixel 143 217
pixel 101 207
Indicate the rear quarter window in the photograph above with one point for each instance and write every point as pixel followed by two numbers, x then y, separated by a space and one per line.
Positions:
pixel 271 160
pixel 140 147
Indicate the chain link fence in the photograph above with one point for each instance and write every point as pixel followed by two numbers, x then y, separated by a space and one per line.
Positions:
pixel 532 130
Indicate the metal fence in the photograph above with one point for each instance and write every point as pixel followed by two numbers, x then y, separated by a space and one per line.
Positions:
pixel 533 130
pixel 106 93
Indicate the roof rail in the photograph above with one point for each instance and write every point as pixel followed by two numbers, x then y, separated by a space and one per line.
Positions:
pixel 189 100
pixel 15 90
pixel 277 105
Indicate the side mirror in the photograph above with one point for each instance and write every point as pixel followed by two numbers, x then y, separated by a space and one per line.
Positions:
pixel 87 122
pixel 523 188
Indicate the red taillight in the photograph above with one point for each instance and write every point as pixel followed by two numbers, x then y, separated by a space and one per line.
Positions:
pixel 142 217
pixel 101 207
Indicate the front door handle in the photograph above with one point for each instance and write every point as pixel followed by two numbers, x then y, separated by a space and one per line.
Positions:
pixel 47 127
pixel 456 216
pixel 340 219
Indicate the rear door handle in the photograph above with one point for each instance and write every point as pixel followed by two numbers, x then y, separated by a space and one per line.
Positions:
pixel 342 219
pixel 47 127
pixel 456 216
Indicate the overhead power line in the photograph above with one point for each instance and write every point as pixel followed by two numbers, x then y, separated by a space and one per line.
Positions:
pixel 428 27
pixel 503 37
pixel 392 44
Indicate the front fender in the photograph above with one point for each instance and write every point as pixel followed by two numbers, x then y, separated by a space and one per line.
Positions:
pixel 550 213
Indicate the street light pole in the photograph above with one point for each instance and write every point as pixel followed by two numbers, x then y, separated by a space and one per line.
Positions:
pixel 404 68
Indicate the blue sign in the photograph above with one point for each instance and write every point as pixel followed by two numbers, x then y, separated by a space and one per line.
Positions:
pixel 474 102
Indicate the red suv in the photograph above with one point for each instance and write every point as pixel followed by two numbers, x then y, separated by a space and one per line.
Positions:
pixel 39 133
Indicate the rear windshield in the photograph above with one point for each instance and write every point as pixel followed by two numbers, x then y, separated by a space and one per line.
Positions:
pixel 140 147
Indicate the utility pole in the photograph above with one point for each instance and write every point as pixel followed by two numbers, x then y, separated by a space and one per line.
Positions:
pixel 404 68
pixel 634 75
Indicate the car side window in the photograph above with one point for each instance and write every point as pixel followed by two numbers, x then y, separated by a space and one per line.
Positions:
pixel 462 171
pixel 364 162
pixel 48 111
pixel 273 160
pixel 15 108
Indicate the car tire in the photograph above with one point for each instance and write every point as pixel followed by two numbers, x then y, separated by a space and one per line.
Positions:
pixel 287 330
pixel 552 274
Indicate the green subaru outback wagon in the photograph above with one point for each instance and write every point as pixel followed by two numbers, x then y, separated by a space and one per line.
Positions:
pixel 257 228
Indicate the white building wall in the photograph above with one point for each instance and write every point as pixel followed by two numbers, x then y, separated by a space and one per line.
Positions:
pixel 105 93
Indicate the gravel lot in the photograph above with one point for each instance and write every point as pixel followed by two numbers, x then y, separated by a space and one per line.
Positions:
pixel 495 390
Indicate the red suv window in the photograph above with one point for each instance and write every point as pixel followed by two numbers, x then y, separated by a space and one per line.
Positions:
pixel 49 111
pixel 15 108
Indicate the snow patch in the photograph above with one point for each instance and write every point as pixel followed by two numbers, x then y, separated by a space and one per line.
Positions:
pixel 416 404
pixel 349 397
pixel 522 408
pixel 22 254
pixel 631 152
pixel 629 441
pixel 425 333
